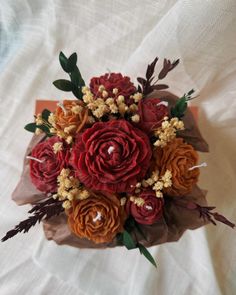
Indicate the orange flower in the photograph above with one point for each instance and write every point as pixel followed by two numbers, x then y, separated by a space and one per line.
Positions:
pixel 71 113
pixel 178 157
pixel 98 218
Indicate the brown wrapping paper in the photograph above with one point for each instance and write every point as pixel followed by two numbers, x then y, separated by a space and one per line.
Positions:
pixel 170 228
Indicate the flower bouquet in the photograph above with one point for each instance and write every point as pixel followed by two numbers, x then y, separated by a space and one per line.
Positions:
pixel 116 166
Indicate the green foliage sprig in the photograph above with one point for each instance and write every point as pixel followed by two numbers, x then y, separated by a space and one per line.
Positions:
pixel 76 81
pixel 181 105
pixel 45 126
pixel 126 239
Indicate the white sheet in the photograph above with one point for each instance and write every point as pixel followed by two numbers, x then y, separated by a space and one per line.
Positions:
pixel 122 36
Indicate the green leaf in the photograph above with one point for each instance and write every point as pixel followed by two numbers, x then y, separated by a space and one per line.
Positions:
pixel 76 78
pixel 43 128
pixel 31 127
pixel 63 84
pixel 143 250
pixel 63 61
pixel 68 64
pixel 45 114
pixel 71 63
pixel 191 92
pixel 77 93
pixel 70 67
pixel 180 107
pixel 128 241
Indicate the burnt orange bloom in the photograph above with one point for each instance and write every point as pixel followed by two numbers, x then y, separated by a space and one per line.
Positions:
pixel 66 117
pixel 178 157
pixel 98 218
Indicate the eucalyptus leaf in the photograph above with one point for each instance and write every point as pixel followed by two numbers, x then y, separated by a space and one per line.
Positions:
pixel 76 78
pixel 63 61
pixel 70 67
pixel 143 250
pixel 63 84
pixel 45 114
pixel 77 93
pixel 43 128
pixel 31 127
pixel 71 63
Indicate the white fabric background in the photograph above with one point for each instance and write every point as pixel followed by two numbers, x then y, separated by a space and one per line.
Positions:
pixel 122 36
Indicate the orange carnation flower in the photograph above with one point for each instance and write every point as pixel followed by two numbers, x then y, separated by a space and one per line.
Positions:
pixel 98 218
pixel 178 157
pixel 71 113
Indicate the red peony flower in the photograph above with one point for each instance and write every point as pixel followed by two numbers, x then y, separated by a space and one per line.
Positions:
pixel 110 81
pixel 111 156
pixel 151 114
pixel 44 174
pixel 150 212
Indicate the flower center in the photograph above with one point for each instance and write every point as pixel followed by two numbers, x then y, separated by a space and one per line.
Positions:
pixel 110 149
pixel 109 73
pixel 165 103
pixel 60 104
pixel 149 208
pixel 34 159
pixel 97 217
pixel 204 164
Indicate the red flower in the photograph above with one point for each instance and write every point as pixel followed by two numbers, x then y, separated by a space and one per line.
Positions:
pixel 113 80
pixel 151 114
pixel 111 156
pixel 44 174
pixel 150 212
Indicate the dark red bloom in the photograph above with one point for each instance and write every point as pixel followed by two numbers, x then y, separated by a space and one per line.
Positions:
pixel 151 114
pixel 111 156
pixel 113 80
pixel 44 175
pixel 150 212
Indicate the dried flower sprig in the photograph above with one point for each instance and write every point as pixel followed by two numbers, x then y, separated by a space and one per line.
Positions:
pixel 205 212
pixel 69 189
pixel 147 85
pixel 158 183
pixel 101 105
pixel 41 211
pixel 167 131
